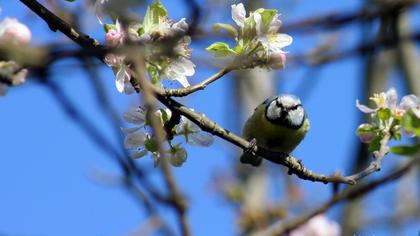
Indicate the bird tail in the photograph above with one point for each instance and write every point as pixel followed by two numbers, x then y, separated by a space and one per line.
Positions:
pixel 253 160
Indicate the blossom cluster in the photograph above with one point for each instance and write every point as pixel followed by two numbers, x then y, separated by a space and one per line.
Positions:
pixel 14 33
pixel 139 139
pixel 256 37
pixel 153 34
pixel 166 55
pixel 389 116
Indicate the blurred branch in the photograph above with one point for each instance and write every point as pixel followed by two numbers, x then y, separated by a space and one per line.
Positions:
pixel 336 20
pixel 176 197
pixel 56 23
pixel 348 194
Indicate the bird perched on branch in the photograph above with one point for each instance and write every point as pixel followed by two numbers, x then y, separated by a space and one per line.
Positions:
pixel 278 124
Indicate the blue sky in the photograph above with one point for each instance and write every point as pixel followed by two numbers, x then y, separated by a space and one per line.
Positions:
pixel 47 161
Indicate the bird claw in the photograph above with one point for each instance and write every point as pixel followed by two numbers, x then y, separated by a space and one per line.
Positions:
pixel 251 146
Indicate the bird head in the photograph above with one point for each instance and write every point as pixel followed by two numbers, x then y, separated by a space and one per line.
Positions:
pixel 285 110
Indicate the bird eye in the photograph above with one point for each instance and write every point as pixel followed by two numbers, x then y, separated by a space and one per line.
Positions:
pixel 295 107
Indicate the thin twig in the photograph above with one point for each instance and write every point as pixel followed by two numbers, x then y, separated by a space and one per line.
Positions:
pixel 375 165
pixel 191 89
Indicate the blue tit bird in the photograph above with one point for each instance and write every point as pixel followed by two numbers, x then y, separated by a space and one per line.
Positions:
pixel 278 124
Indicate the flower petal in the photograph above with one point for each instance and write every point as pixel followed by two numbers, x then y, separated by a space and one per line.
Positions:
pixel 416 112
pixel 138 154
pixel 201 139
pixel 279 41
pixel 99 10
pixel 134 140
pixel 238 14
pixel 391 98
pixel 275 25
pixel 363 108
pixel 120 79
pixel 130 130
pixel 409 101
pixel 188 66
pixel 135 116
pixel 259 26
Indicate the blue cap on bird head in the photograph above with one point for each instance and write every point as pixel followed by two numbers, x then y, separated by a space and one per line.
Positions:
pixel 287 110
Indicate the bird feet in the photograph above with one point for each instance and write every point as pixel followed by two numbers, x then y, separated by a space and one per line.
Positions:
pixel 251 146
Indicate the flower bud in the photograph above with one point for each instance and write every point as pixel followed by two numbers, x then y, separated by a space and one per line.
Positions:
pixel 366 133
pixel 277 60
pixel 11 30
pixel 366 137
pixel 113 38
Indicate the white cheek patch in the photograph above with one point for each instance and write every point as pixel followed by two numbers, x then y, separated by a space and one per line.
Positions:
pixel 289 100
pixel 273 111
pixel 295 117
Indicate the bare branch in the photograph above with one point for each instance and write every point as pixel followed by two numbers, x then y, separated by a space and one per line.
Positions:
pixel 191 89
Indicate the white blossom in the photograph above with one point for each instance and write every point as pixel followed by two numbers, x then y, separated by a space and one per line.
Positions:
pixel 319 225
pixel 11 30
pixel 179 69
pixel 135 139
pixel 389 100
pixel 135 116
pixel 193 133
pixel 268 34
pixel 122 80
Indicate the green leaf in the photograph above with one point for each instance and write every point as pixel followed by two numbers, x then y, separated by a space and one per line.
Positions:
pixel 267 15
pixel 154 74
pixel 375 144
pixel 248 31
pixel 384 113
pixel 238 48
pixel 406 150
pixel 140 30
pixel 411 123
pixel 227 27
pixel 150 146
pixel 221 49
pixel 396 130
pixel 165 116
pixel 154 14
pixel 108 27
pixel 396 135
pixel 70 0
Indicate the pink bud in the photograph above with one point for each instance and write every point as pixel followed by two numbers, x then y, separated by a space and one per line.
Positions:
pixel 113 38
pixel 366 137
pixel 277 60
pixel 11 30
